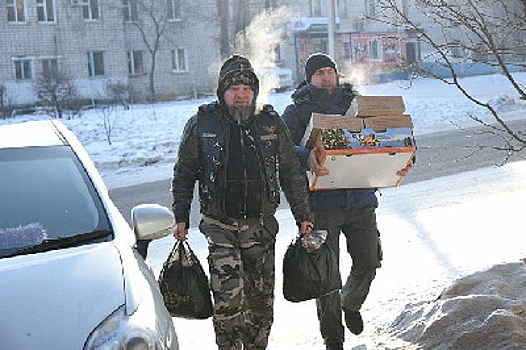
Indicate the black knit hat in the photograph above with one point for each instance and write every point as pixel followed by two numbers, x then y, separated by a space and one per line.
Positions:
pixel 237 70
pixel 315 62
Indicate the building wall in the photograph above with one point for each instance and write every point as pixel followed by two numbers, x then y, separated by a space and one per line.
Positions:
pixel 69 38
pixel 196 33
pixel 309 34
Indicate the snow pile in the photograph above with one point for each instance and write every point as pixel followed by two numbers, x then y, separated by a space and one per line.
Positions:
pixel 485 310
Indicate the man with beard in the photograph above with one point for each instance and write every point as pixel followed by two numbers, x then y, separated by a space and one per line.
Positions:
pixel 242 156
pixel 350 211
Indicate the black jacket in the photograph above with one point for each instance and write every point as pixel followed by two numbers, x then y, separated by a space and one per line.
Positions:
pixel 204 156
pixel 307 100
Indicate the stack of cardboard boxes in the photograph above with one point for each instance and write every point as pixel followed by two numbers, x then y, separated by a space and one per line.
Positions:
pixel 364 148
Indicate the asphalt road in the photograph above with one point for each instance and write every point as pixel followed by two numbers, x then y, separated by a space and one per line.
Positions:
pixel 439 154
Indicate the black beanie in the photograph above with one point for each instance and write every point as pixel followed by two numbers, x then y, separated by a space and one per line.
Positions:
pixel 315 62
pixel 237 70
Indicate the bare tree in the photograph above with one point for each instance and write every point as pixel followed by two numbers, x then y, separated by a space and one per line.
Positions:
pixel 259 39
pixel 151 18
pixel 3 104
pixel 235 17
pixel 108 117
pixel 58 93
pixel 115 94
pixel 118 93
pixel 7 107
pixel 224 34
pixel 483 32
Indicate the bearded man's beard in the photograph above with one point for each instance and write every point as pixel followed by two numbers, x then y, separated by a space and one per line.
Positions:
pixel 241 114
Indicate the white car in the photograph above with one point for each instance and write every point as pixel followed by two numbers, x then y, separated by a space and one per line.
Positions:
pixel 70 275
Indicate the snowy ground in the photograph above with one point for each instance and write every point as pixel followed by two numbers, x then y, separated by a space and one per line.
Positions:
pixel 433 232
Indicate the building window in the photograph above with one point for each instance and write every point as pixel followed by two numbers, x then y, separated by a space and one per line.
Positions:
pixel 316 8
pixel 96 64
pixel 375 50
pixel 130 10
pixel 23 69
pixel 370 8
pixel 277 53
pixel 90 10
pixel 135 65
pixel 391 52
pixel 16 11
pixel 342 8
pixel 456 50
pixel 347 51
pixel 412 51
pixel 320 44
pixel 50 68
pixel 174 9
pixel 178 60
pixel 45 11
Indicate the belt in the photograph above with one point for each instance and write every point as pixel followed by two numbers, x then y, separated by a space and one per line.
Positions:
pixel 233 224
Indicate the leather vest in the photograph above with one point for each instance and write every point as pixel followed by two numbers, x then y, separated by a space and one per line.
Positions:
pixel 214 134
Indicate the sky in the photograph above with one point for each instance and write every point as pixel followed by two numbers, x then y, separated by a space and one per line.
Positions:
pixel 460 237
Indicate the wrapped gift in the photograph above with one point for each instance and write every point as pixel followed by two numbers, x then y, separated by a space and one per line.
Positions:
pixel 341 132
pixel 360 152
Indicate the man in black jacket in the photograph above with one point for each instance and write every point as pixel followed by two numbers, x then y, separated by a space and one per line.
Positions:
pixel 351 212
pixel 242 156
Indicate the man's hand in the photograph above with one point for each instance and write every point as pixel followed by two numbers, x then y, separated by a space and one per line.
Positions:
pixel 315 156
pixel 181 231
pixel 405 170
pixel 306 227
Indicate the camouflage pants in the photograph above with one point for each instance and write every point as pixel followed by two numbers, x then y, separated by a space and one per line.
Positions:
pixel 241 261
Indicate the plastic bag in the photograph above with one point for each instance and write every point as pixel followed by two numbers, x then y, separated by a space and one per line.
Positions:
pixel 313 240
pixel 184 284
pixel 309 275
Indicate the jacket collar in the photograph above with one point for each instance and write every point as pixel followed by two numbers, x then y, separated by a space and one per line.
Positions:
pixel 309 94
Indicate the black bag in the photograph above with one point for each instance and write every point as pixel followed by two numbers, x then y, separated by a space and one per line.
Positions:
pixel 184 284
pixel 309 275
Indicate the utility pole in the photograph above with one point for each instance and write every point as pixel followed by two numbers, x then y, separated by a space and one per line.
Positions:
pixel 332 29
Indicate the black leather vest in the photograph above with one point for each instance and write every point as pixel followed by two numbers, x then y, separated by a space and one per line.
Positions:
pixel 214 133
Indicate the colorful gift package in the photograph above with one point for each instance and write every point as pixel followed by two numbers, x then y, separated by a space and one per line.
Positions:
pixel 361 149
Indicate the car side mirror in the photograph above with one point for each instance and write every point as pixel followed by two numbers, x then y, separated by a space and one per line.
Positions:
pixel 151 221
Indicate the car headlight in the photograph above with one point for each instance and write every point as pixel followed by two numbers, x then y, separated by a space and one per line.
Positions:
pixel 117 332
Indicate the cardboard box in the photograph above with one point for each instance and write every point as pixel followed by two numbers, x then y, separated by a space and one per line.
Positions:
pixel 360 152
pixel 362 168
pixel 386 128
pixel 367 106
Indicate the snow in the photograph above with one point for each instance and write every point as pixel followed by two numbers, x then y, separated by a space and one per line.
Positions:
pixel 452 275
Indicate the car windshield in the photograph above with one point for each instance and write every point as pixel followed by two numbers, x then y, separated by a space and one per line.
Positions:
pixel 47 202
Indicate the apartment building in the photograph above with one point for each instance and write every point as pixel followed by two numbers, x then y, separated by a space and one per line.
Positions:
pixel 364 48
pixel 101 42
pixel 98 42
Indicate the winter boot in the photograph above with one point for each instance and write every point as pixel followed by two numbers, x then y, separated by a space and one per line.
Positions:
pixel 354 321
pixel 334 346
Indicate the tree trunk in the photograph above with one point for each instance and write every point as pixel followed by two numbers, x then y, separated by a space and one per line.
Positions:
pixel 224 35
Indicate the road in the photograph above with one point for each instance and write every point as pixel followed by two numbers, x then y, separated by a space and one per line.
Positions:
pixel 439 154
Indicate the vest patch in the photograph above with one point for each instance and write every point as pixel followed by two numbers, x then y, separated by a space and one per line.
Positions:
pixel 270 129
pixel 269 137
pixel 209 134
